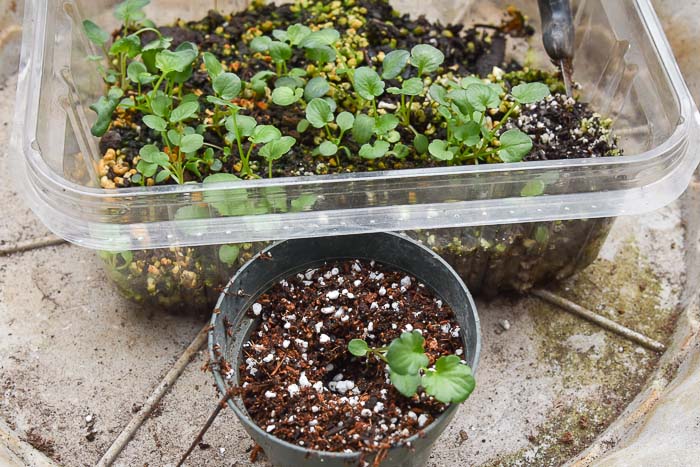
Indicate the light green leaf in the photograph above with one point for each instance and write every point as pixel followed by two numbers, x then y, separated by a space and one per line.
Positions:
pixel 328 148
pixel 213 65
pixel 280 51
pixel 147 169
pixel 303 125
pixel 323 37
pixel 191 143
pixel 280 35
pixel 227 85
pixel 482 97
pixel 406 355
pixel 533 188
pixel 184 111
pixel 264 134
pixel 228 254
pixel 379 149
pixel 394 63
pixel 296 33
pixel 450 382
pixel 155 122
pixel 469 133
pixel 260 44
pixel 286 96
pixel 358 347
pixel 439 150
pixel 220 178
pixel 168 61
pixel 160 104
pixel 514 145
pixel 426 58
pixel 400 151
pixel 220 101
pixel 303 202
pixel 345 120
pixel 528 93
pixel 129 45
pixel 316 87
pixel 163 175
pixel 405 384
pixel 321 55
pixel 277 148
pixel 367 83
pixel 243 124
pixel 363 128
pixel 410 87
pixel 130 10
pixel 319 113
pixel 96 34
pixel 385 123
pixel 439 94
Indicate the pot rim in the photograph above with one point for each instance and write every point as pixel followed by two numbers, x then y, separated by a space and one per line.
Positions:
pixel 243 415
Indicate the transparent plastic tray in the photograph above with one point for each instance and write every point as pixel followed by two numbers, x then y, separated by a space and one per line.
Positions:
pixel 623 62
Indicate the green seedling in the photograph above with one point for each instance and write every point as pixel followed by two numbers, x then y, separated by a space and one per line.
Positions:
pixel 449 380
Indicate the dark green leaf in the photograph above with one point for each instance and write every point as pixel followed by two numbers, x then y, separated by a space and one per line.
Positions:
pixel 96 34
pixel 358 347
pixel 406 355
pixel 426 58
pixel 316 87
pixel 104 108
pixel 420 142
pixel 363 128
pixel 367 83
pixel 318 113
pixel 514 146
pixel 450 382
pixel 379 149
pixel 528 93
pixel 394 63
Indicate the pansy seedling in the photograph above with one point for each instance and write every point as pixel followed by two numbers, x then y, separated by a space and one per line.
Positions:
pixel 276 149
pixel 363 128
pixel 439 150
pixel 374 151
pixel 514 145
pixel 448 381
pixel 367 83
pixel 319 113
pixel 95 34
pixel 394 63
pixel 528 93
pixel 426 58
pixel 285 96
pixel 227 85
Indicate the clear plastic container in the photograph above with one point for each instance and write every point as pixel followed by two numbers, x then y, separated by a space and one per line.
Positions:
pixel 474 215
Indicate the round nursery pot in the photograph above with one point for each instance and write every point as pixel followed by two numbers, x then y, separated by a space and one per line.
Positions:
pixel 231 327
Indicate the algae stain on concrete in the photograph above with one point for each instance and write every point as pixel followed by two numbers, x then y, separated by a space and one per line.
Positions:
pixel 598 373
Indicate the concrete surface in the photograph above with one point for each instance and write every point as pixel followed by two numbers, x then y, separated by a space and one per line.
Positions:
pixel 71 350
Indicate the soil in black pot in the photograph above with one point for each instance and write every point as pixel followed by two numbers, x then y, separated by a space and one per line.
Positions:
pixel 300 383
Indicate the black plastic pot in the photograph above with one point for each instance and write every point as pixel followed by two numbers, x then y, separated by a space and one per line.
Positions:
pixel 292 256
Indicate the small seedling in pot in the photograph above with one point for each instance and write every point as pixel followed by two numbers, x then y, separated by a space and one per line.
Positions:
pixel 448 380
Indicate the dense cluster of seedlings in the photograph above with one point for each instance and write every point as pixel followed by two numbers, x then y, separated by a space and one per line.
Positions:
pixel 291 95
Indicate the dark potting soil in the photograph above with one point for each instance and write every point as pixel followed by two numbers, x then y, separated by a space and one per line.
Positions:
pixel 372 28
pixel 301 384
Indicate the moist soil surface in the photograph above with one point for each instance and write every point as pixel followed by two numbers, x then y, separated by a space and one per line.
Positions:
pixel 301 384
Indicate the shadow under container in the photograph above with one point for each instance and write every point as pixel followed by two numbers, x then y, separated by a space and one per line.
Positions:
pixel 174 246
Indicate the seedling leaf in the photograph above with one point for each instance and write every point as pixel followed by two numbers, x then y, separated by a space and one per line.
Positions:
pixel 367 83
pixel 426 58
pixel 319 113
pixel 528 93
pixel 286 96
pixel 450 381
pixel 406 355
pixel 482 97
pixel 191 143
pixel 228 254
pixel 439 150
pixel 363 128
pixel 394 63
pixel 345 120
pixel 96 34
pixel 514 145
pixel 316 87
pixel 184 111
pixel 358 347
pixel 405 384
pixel 277 148
pixel 227 85
pixel 214 67
pixel 155 122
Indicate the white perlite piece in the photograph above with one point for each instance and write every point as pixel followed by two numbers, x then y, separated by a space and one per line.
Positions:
pixel 318 326
pixel 406 281
pixel 257 308
pixel 270 428
pixel 270 394
pixel 422 420
pixel 285 343
pixel 366 413
pixel 333 294
pixel 304 381
pixel 327 310
pixel 318 386
pixel 382 291
pixel 324 339
pixel 357 283
pixel 268 358
pixel 293 390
